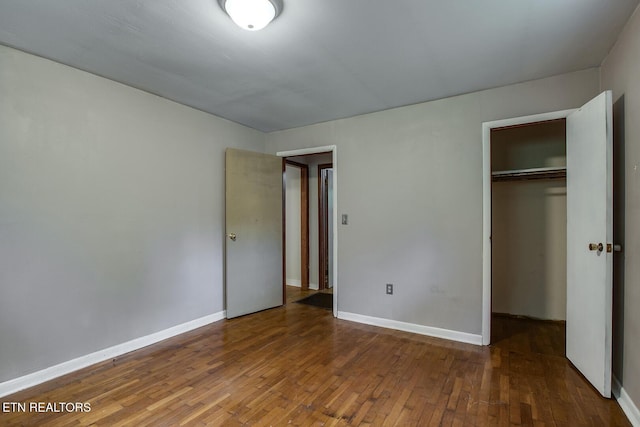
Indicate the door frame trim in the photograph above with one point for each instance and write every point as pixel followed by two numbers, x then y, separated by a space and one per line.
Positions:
pixel 486 203
pixel 323 227
pixel 304 224
pixel 333 149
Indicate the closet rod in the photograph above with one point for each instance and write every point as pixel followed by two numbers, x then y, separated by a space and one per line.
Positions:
pixel 529 174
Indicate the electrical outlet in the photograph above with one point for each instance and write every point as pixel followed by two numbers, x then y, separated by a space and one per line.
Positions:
pixel 389 288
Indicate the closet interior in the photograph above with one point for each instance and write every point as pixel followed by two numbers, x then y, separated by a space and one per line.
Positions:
pixel 529 218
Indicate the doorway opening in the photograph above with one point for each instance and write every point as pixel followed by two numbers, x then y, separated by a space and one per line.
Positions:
pixel 321 243
pixel 589 235
pixel 524 170
pixel 529 235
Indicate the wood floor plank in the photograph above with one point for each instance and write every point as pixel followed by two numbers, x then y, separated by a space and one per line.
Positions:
pixel 297 365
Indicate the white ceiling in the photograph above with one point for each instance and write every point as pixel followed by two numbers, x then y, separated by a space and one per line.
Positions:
pixel 320 59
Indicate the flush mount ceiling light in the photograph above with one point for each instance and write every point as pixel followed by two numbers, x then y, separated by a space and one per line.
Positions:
pixel 252 15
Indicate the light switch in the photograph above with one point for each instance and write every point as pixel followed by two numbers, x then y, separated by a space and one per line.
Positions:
pixel 345 219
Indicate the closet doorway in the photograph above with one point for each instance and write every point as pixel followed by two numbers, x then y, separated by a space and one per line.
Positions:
pixel 589 228
pixel 529 221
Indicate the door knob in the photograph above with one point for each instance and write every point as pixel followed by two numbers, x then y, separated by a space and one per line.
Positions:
pixel 596 247
pixel 232 236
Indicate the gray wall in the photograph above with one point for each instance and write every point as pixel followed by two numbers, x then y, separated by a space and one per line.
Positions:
pixel 529 248
pixel 620 72
pixel 410 179
pixel 111 212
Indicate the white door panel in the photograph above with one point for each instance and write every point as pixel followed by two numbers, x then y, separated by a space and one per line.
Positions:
pixel 590 221
pixel 254 232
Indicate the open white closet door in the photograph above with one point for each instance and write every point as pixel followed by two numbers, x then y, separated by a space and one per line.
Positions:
pixel 254 232
pixel 589 240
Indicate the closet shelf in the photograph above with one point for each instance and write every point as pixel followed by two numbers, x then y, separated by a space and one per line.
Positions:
pixel 533 173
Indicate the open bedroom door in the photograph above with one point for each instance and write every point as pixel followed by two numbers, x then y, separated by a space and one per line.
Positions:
pixel 589 240
pixel 253 232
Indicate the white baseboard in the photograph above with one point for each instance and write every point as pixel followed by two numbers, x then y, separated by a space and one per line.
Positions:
pixel 412 327
pixel 35 378
pixel 314 286
pixel 628 406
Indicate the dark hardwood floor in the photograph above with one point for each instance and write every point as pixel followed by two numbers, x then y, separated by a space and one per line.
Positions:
pixel 525 335
pixel 294 293
pixel 297 365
